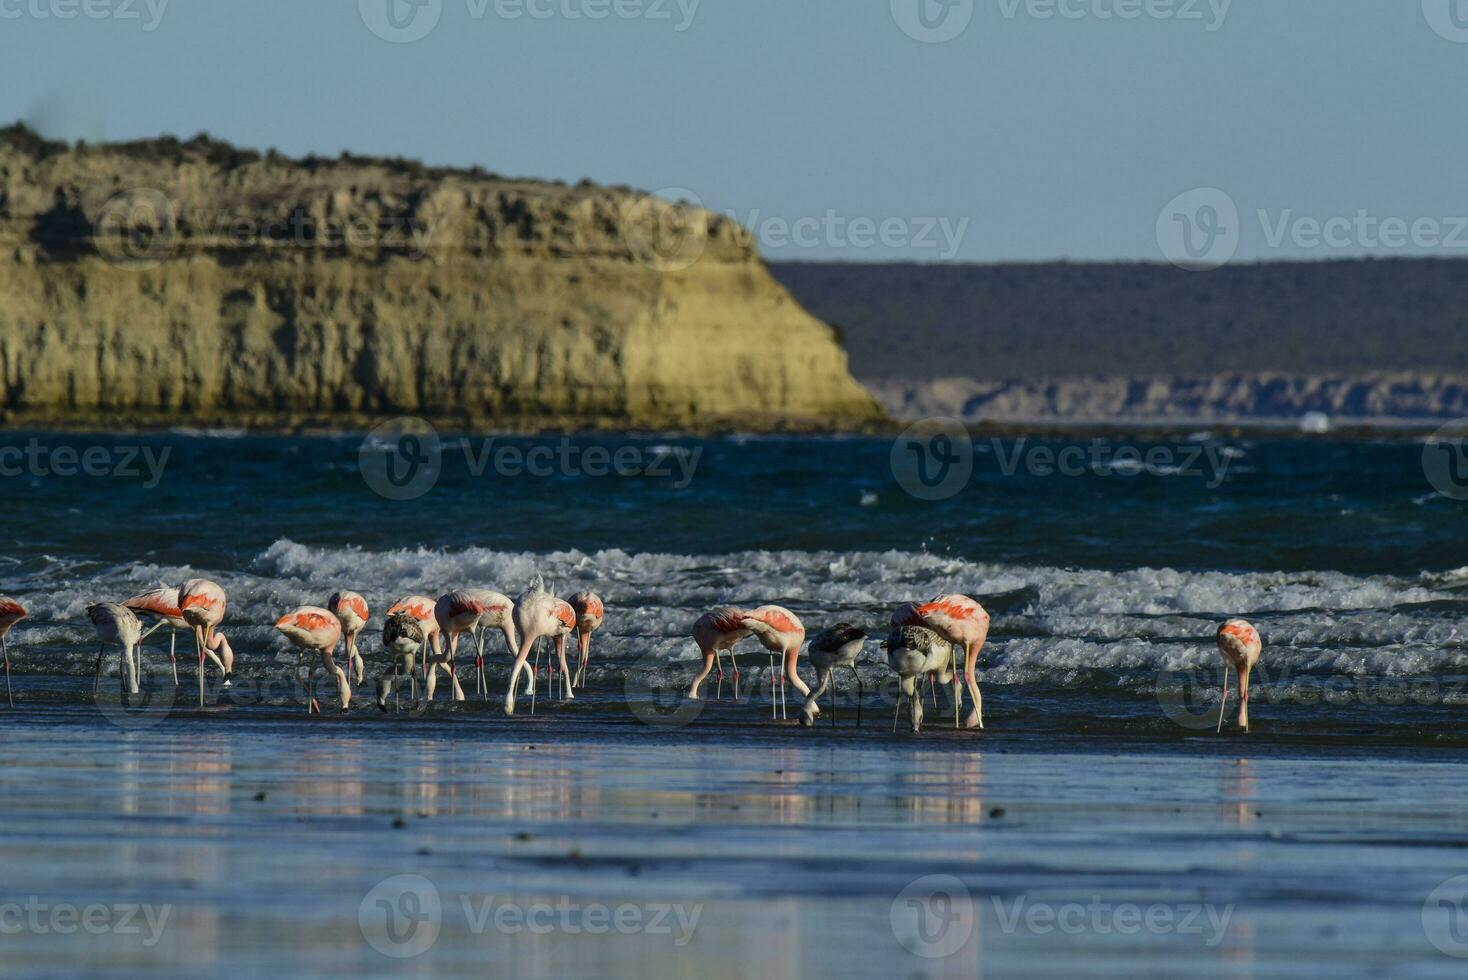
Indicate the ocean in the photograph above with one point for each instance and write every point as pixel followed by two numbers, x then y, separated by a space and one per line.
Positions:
pixel 1098 825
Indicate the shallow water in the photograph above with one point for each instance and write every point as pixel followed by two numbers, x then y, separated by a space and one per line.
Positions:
pixel 265 845
pixel 1098 793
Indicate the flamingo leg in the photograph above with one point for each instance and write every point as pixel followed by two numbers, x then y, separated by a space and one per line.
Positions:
pixel 830 674
pixel 970 663
pixel 774 683
pixel 1223 705
pixel 858 694
pixel 480 686
pixel 199 642
pixel 719 661
pixel 535 672
pixel 6 651
pixel 734 659
pixel 97 673
pixel 173 653
pixel 708 666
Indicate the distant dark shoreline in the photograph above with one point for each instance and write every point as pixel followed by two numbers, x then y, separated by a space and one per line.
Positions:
pixel 1065 320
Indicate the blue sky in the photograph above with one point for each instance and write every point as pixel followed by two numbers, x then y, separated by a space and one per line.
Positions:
pixel 1040 129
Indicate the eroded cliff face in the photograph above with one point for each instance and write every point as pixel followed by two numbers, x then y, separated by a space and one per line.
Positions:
pixel 164 280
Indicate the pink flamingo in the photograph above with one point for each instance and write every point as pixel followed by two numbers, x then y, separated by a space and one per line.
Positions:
pixel 11 612
pixel 1241 646
pixel 590 613
pixel 715 631
pixel 162 605
pixel 781 632
pixel 116 623
pixel 314 628
pixel 350 609
pixel 201 605
pixel 538 613
pixel 959 620
pixel 473 611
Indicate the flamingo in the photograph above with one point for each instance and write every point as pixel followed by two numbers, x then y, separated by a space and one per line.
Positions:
pixel 201 605
pixel 472 611
pixel 314 628
pixel 961 621
pixel 838 646
pixel 161 605
pixel 717 630
pixel 538 613
pixel 115 623
pixel 420 607
pixel 404 638
pixel 11 612
pixel 1239 643
pixel 914 652
pixel 781 632
pixel 350 609
pixel 590 612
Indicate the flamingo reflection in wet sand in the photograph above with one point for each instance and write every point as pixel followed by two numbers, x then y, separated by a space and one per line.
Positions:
pixel 962 621
pixel 473 611
pixel 11 612
pixel 781 632
pixel 539 614
pixel 718 630
pixel 1240 645
pixel 115 623
pixel 837 646
pixel 404 639
pixel 202 605
pixel 350 609
pixel 312 628
pixel 590 613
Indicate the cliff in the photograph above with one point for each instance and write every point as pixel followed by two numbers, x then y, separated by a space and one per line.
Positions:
pixel 161 280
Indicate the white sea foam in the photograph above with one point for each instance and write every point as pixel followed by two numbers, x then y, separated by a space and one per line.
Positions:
pixel 1048 622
